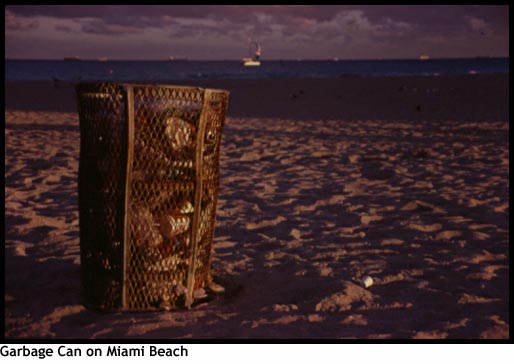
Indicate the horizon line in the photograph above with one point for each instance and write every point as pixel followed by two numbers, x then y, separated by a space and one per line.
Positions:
pixel 185 59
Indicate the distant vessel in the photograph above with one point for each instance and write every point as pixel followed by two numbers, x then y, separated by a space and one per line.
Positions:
pixel 74 58
pixel 250 62
pixel 255 48
pixel 172 58
pixel 424 57
pixel 102 59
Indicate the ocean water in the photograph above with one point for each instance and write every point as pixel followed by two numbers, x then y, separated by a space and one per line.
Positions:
pixel 86 70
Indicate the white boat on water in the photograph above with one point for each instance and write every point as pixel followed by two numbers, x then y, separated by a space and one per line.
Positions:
pixel 255 48
pixel 251 62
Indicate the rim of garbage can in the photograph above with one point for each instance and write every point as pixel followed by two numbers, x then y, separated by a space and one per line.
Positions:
pixel 136 84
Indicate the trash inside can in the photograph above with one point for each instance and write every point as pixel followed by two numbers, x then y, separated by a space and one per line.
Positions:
pixel 148 189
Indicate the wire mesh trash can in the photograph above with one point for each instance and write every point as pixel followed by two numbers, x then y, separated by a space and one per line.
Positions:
pixel 148 188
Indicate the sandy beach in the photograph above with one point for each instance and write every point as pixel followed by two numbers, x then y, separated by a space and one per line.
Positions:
pixel 323 181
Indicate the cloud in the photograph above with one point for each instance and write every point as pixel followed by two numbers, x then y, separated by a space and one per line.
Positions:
pixel 477 24
pixel 342 26
pixel 431 19
pixel 356 23
pixel 309 31
pixel 63 28
pixel 97 26
pixel 13 22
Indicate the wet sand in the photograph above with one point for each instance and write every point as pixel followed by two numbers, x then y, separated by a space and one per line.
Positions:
pixel 416 98
pixel 315 193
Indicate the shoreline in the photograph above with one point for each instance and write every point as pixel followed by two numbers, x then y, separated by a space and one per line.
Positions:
pixel 346 98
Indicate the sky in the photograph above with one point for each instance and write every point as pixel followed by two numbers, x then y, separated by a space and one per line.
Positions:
pixel 214 32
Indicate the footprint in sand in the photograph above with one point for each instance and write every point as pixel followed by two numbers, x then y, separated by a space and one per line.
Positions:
pixel 448 235
pixel 425 228
pixel 342 301
pixel 367 219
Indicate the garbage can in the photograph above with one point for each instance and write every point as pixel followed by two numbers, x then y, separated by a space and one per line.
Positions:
pixel 148 189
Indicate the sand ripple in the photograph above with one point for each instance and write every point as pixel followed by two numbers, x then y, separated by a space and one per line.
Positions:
pixel 306 209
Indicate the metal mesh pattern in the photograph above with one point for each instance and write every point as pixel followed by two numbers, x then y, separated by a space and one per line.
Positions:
pixel 102 170
pixel 163 154
pixel 162 195
pixel 215 107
